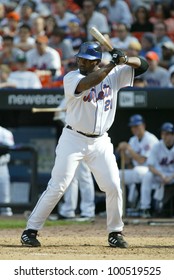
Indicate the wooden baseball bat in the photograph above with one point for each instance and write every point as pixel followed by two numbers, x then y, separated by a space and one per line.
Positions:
pixel 123 182
pixel 100 38
pixel 47 110
pixel 103 41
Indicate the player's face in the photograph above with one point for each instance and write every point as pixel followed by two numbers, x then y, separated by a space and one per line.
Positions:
pixel 86 66
pixel 168 138
pixel 138 130
pixel 40 47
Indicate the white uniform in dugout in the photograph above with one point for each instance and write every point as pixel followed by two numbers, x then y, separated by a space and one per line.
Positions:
pixel 135 175
pixel 48 60
pixel 162 159
pixel 6 138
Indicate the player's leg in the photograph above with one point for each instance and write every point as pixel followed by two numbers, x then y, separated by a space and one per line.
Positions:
pixel 103 165
pixel 147 185
pixel 132 194
pixel 87 194
pixel 68 206
pixel 107 178
pixel 134 175
pixel 66 162
pixel 159 192
pixel 131 178
pixel 5 190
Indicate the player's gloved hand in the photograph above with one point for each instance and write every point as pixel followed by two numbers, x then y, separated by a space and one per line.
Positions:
pixel 118 57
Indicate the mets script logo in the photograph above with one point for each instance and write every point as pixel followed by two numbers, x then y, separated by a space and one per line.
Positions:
pixel 102 95
pixel 166 161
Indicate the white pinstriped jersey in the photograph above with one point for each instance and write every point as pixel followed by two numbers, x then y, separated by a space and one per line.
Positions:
pixel 93 111
pixel 144 146
pixel 162 158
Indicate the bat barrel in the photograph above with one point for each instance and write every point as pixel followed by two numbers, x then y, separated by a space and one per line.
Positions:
pixel 100 38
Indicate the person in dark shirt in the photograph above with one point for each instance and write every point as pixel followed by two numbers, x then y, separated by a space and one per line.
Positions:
pixel 141 22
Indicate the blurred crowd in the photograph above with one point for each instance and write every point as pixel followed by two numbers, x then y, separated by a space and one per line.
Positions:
pixel 38 39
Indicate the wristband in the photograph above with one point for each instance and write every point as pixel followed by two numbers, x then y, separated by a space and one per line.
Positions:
pixel 113 62
pixel 126 59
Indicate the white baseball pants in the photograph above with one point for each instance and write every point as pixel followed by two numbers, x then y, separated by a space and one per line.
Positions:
pixel 151 182
pixel 131 178
pixel 99 156
pixel 5 188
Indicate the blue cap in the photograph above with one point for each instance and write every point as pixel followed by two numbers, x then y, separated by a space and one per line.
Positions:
pixel 136 120
pixel 168 127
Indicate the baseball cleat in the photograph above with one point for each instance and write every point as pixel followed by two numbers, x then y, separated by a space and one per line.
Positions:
pixel 6 212
pixel 29 239
pixel 64 218
pixel 145 213
pixel 85 219
pixel 115 239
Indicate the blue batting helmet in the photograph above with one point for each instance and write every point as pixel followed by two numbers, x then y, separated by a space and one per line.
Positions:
pixel 168 127
pixel 90 50
pixel 136 120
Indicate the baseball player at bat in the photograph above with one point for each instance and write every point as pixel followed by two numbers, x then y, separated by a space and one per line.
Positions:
pixel 91 97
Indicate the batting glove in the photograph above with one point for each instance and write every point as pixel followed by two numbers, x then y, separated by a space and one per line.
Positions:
pixel 118 57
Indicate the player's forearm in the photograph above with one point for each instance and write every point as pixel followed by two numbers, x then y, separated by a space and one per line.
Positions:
pixel 155 171
pixel 134 62
pixel 94 78
pixel 140 159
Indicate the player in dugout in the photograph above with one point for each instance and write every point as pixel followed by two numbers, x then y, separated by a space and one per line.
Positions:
pixel 91 97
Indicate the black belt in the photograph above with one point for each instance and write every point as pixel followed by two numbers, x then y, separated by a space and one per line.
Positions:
pixel 87 135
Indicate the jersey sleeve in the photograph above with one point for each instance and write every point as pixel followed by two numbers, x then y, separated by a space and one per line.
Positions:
pixel 153 155
pixel 151 141
pixel 71 81
pixel 125 76
pixel 132 142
